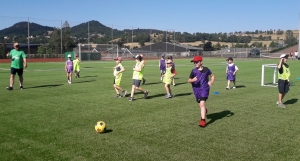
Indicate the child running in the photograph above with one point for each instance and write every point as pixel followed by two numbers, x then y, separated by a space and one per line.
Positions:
pixel 173 66
pixel 199 78
pixel 137 78
pixel 76 66
pixel 168 76
pixel 69 68
pixel 231 73
pixel 162 66
pixel 118 70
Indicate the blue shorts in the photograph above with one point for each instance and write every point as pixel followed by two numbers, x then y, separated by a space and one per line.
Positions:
pixel 13 71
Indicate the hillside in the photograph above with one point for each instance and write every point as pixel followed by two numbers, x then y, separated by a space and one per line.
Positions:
pixel 101 34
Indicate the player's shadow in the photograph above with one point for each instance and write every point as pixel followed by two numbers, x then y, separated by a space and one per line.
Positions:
pixel 219 115
pixel 88 76
pixel 157 95
pixel 182 94
pixel 291 101
pixel 152 83
pixel 240 86
pixel 87 67
pixel 43 86
pixel 85 81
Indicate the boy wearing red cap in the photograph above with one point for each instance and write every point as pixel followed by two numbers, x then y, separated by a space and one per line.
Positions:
pixel 201 85
pixel 118 70
pixel 168 76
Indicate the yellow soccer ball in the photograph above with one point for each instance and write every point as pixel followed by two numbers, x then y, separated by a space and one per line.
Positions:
pixel 100 127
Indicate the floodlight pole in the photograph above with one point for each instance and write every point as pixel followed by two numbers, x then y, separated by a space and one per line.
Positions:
pixel 89 36
pixel 299 36
pixel 132 36
pixel 61 39
pixel 28 42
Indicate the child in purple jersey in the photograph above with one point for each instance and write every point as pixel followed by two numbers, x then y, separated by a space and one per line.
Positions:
pixel 199 78
pixel 69 68
pixel 162 66
pixel 231 70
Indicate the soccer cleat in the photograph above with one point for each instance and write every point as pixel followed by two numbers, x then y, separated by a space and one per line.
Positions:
pixel 169 96
pixel 160 78
pixel 130 99
pixel 277 102
pixel 228 88
pixel 174 84
pixel 202 123
pixel 124 93
pixel 118 96
pixel 146 94
pixel 233 87
pixel 21 88
pixel 144 81
pixel 9 88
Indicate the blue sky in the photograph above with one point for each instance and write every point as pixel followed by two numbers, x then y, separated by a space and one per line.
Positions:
pixel 209 16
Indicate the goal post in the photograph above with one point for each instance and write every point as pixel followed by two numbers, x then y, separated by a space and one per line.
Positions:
pixel 274 67
pixel 96 51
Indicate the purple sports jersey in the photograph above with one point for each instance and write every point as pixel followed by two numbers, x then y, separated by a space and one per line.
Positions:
pixel 69 64
pixel 230 71
pixel 201 87
pixel 162 65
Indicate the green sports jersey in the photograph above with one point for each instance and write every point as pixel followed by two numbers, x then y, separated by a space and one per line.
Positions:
pixel 17 58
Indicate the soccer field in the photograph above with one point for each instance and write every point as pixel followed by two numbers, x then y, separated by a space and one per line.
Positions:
pixel 53 120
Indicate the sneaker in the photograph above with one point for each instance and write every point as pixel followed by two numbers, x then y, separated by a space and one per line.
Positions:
pixel 202 123
pixel 146 94
pixel 118 96
pixel 130 99
pixel 228 88
pixel 70 82
pixel 281 105
pixel 160 78
pixel 169 96
pixel 144 81
pixel 277 102
pixel 174 84
pixel 124 93
pixel 21 87
pixel 9 88
pixel 233 87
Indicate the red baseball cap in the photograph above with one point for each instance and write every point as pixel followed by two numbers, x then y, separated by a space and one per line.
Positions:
pixel 119 58
pixel 197 58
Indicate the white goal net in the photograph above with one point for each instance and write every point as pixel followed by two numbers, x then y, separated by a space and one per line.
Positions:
pixel 269 75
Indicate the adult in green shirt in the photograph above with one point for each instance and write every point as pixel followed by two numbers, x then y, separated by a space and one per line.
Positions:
pixel 18 62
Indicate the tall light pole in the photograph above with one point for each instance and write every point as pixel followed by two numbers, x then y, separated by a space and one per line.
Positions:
pixel 28 42
pixel 299 37
pixel 61 39
pixel 89 36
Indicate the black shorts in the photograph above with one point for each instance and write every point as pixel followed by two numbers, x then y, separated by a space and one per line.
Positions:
pixel 283 86
pixel 202 99
pixel 14 71
pixel 136 82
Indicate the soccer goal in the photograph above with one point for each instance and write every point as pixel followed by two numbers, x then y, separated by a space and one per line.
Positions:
pixel 266 71
pixel 97 51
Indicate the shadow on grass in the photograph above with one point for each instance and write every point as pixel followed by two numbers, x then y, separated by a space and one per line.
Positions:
pixel 157 95
pixel 88 76
pixel 219 115
pixel 291 101
pixel 240 86
pixel 107 131
pixel 84 81
pixel 152 83
pixel 87 67
pixel 42 86
pixel 183 94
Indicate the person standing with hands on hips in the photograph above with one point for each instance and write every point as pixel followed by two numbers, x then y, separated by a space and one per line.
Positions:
pixel 283 79
pixel 199 78
pixel 18 63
